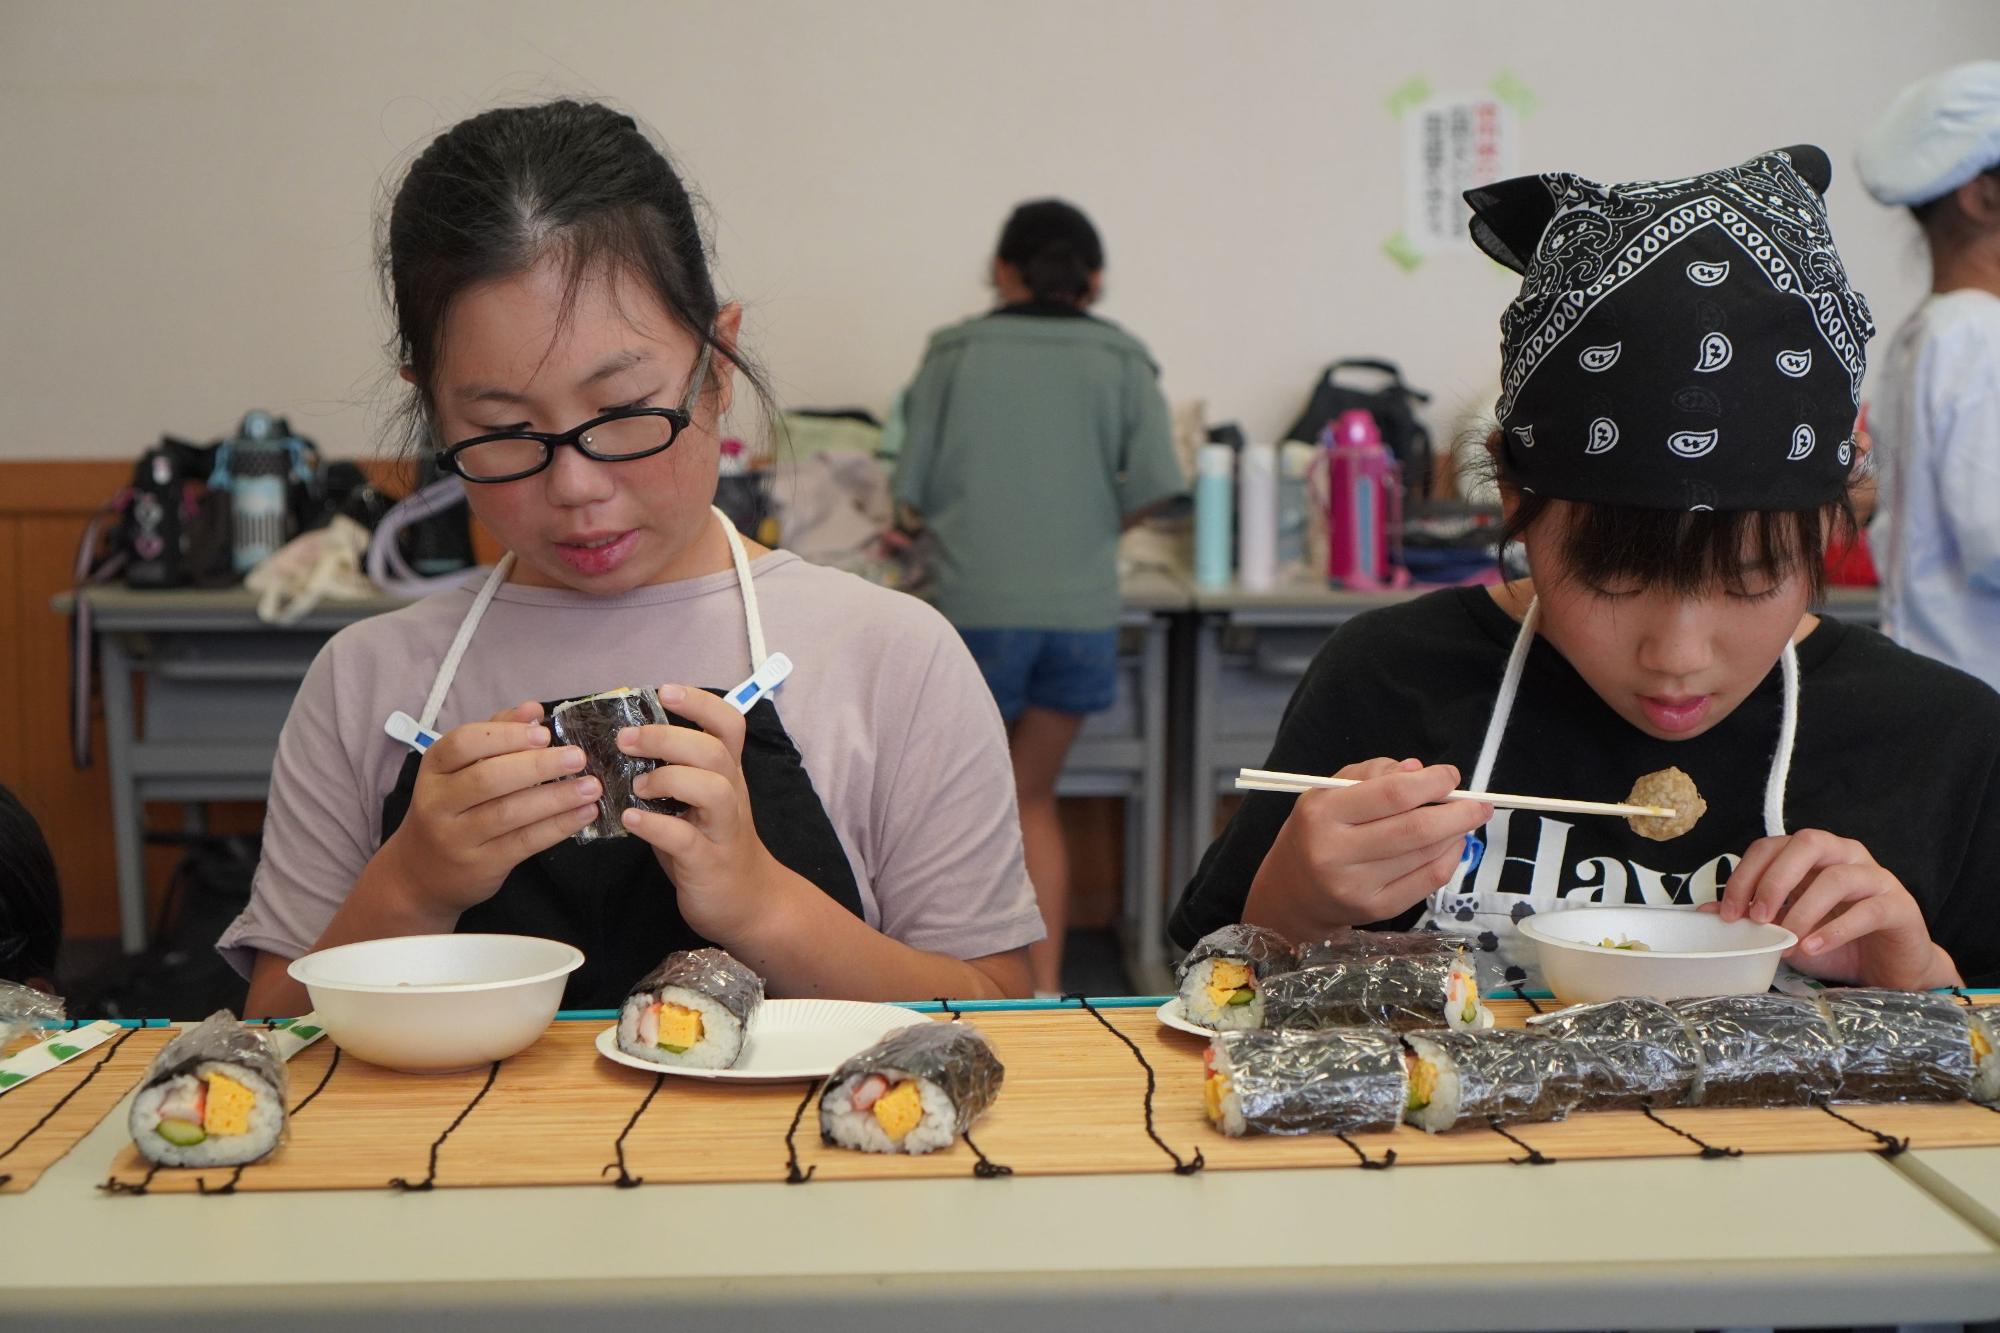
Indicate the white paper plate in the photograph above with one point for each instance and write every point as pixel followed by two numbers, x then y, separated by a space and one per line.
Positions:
pixel 788 1040
pixel 1172 1015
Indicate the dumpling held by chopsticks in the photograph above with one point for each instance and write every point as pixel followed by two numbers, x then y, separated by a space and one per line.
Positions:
pixel 1674 790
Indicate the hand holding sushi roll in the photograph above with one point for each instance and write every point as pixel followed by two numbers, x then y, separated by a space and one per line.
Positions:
pixel 487 798
pixel 1354 855
pixel 1855 921
pixel 725 875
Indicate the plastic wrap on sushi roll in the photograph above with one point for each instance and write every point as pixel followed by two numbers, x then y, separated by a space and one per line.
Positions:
pixel 1342 1081
pixel 1761 1050
pixel 1221 979
pixel 592 725
pixel 1350 945
pixel 1901 1046
pixel 25 1009
pixel 693 1009
pixel 1985 1055
pixel 214 1096
pixel 1406 994
pixel 1634 1052
pixel 914 1091
pixel 1506 1074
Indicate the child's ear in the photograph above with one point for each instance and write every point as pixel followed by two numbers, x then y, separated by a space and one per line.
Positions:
pixel 409 376
pixel 728 326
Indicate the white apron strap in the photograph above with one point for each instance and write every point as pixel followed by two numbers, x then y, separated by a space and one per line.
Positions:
pixel 448 669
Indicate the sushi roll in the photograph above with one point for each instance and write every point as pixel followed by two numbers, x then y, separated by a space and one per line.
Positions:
pixel 215 1096
pixel 691 1010
pixel 1761 1050
pixel 1405 994
pixel 1507 1074
pixel 1344 1081
pixel 592 725
pixel 1359 946
pixel 914 1091
pixel 1634 1052
pixel 1221 979
pixel 1985 1056
pixel 1901 1046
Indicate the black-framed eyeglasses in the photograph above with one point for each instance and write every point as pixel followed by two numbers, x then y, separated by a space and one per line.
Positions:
pixel 616 437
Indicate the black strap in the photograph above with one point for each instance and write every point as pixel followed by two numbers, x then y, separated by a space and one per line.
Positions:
pixel 626 1180
pixel 1535 1156
pixel 1181 1168
pixel 1709 1152
pixel 793 1176
pixel 1891 1146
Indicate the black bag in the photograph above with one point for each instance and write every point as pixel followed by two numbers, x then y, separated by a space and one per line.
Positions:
pixel 182 976
pixel 1393 406
pixel 174 528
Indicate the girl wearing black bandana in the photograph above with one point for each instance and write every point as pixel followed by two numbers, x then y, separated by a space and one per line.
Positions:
pixel 1674 447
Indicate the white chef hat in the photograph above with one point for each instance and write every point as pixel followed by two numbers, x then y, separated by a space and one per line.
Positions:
pixel 1937 135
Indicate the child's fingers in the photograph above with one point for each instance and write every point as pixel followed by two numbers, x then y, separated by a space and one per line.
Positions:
pixel 1823 894
pixel 531 711
pixel 1398 866
pixel 706 711
pixel 711 795
pixel 518 770
pixel 461 747
pixel 1426 826
pixel 1742 884
pixel 495 819
pixel 669 834
pixel 1787 872
pixel 1860 920
pixel 524 842
pixel 1405 892
pixel 1392 793
pixel 678 745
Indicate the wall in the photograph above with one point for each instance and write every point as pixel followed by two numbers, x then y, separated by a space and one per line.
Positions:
pixel 189 188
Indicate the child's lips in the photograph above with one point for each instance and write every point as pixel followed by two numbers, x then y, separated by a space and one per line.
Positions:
pixel 597 553
pixel 1675 713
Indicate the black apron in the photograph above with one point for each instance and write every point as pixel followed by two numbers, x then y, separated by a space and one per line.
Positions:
pixel 611 898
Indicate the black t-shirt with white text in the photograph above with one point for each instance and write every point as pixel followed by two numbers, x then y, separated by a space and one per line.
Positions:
pixel 1894 750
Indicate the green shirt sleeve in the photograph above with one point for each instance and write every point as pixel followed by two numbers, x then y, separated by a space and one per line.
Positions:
pixel 924 406
pixel 1148 471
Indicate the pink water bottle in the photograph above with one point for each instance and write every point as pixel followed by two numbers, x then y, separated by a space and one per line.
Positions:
pixel 1364 496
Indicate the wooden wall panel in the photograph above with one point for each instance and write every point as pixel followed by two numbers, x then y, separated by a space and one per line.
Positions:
pixel 11 742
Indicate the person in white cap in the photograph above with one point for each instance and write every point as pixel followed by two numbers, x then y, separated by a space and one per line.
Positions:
pixel 1936 532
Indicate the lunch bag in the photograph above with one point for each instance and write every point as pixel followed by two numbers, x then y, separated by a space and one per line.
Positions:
pixel 1393 405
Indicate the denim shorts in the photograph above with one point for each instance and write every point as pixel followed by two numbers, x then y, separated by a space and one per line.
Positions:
pixel 1066 671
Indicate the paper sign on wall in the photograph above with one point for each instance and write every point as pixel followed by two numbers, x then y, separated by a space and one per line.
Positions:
pixel 1450 145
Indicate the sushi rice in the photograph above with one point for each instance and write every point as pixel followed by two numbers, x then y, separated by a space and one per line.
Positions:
pixel 1221 977
pixel 914 1091
pixel 215 1096
pixel 691 1011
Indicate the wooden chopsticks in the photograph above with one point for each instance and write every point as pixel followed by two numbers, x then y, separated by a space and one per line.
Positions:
pixel 1263 779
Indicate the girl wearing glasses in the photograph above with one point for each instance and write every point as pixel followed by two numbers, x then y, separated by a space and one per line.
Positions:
pixel 569 356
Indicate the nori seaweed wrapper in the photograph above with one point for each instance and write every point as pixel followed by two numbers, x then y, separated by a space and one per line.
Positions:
pixel 954 1057
pixel 219 1038
pixel 1634 1052
pixel 1266 951
pixel 1509 1074
pixel 1901 1046
pixel 711 973
pixel 1342 1081
pixel 592 725
pixel 1761 1050
pixel 1404 994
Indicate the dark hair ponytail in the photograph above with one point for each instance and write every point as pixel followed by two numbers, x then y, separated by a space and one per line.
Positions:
pixel 496 194
pixel 1055 248
pixel 30 901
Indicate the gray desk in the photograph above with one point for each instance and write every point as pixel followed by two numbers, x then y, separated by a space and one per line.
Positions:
pixel 196 690
pixel 1241 657
pixel 1812 1239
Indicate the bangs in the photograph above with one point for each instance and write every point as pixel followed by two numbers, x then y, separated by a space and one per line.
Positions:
pixel 1613 548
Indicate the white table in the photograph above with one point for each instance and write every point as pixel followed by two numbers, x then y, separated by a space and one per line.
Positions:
pixel 1828 1239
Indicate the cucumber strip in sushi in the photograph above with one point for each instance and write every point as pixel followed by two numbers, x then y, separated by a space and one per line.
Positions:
pixel 1504 1074
pixel 1761 1050
pixel 1634 1052
pixel 215 1096
pixel 1405 994
pixel 1901 1046
pixel 592 725
pixel 691 1010
pixel 914 1091
pixel 1344 1081
pixel 1222 977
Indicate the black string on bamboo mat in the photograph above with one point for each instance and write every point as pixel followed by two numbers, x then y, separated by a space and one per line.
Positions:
pixel 1535 1157
pixel 983 1167
pixel 1181 1168
pixel 1709 1151
pixel 430 1179
pixel 1533 1004
pixel 1382 1163
pixel 626 1180
pixel 794 1176
pixel 65 1099
pixel 1958 993
pixel 1891 1146
pixel 229 1186
pixel 116 1186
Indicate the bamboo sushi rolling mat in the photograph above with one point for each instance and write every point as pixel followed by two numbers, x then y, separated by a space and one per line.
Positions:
pixel 1072 1103
pixel 42 1119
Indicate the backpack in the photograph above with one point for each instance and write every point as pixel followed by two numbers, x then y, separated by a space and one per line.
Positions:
pixel 1393 406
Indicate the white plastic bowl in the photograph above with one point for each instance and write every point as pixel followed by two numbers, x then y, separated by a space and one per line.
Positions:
pixel 434 1004
pixel 1688 953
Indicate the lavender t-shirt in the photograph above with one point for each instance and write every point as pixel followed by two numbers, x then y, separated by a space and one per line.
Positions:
pixel 897 730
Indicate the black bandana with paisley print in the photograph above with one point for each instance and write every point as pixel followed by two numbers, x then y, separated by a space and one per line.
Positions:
pixel 1683 344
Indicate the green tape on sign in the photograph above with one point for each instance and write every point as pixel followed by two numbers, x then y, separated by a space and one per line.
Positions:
pixel 1398 248
pixel 1514 93
pixel 1409 97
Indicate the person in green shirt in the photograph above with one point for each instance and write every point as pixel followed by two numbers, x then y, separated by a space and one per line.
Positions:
pixel 1036 433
